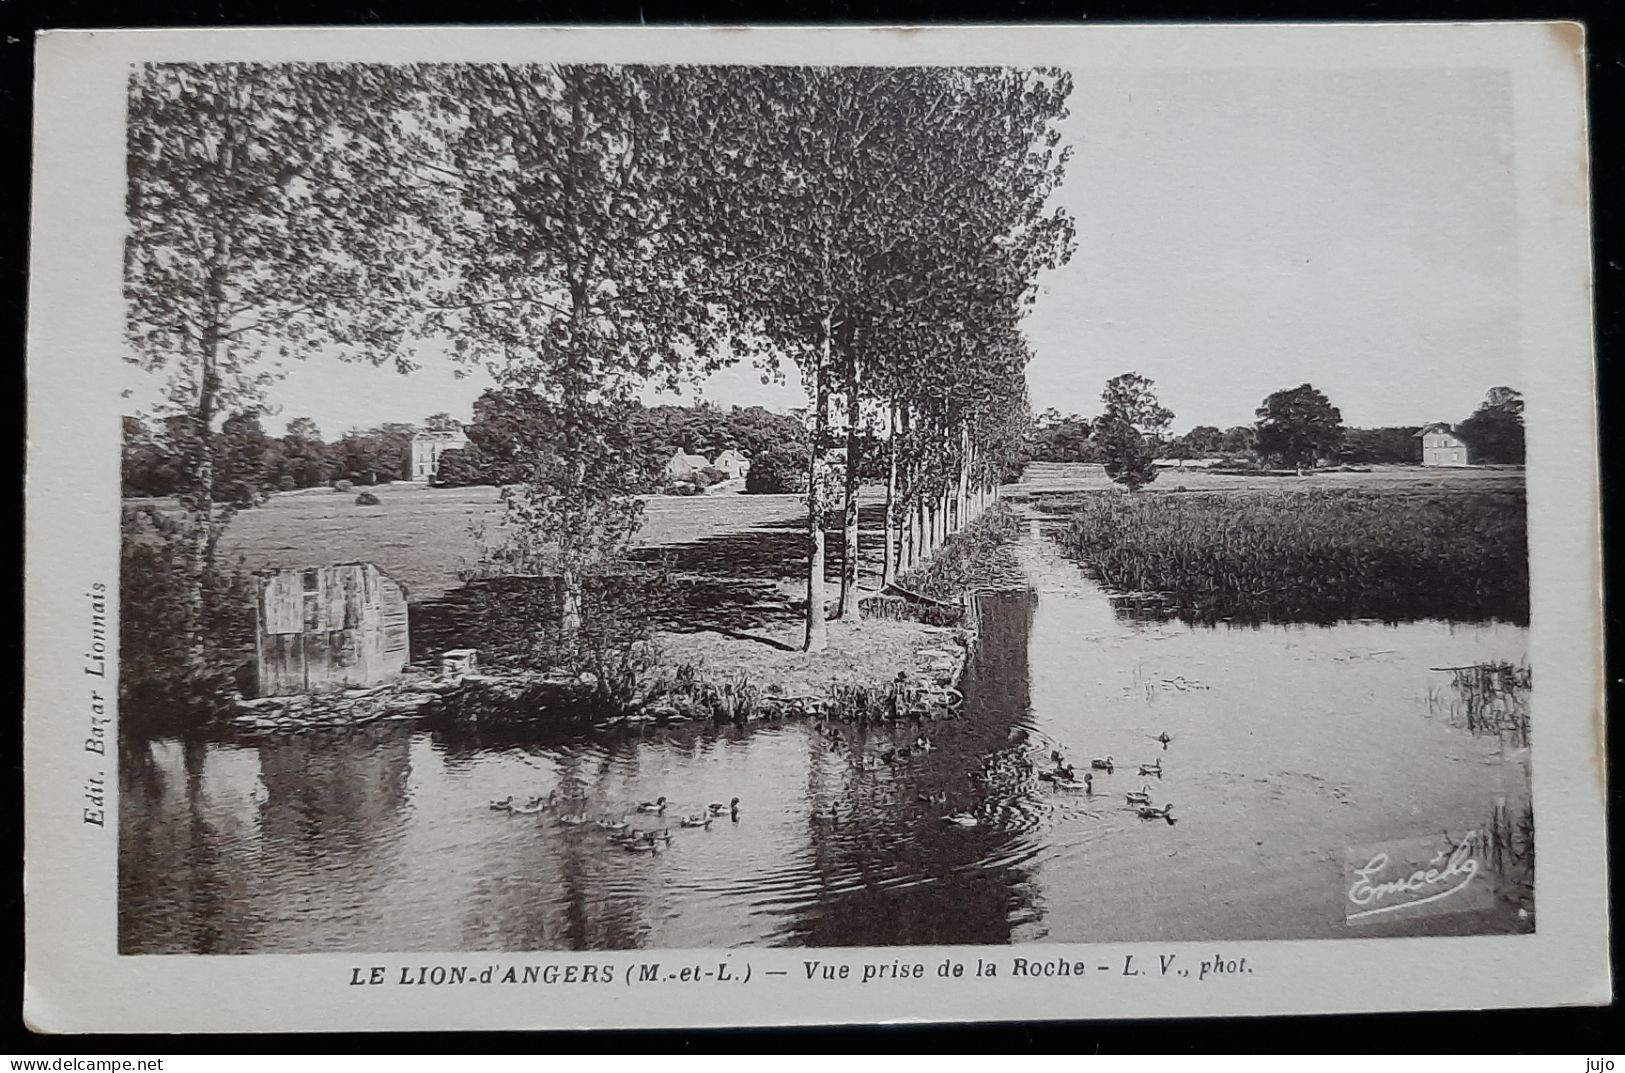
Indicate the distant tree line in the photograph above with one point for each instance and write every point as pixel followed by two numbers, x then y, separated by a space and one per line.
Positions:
pixel 1295 427
pixel 586 231
pixel 249 464
pixel 508 423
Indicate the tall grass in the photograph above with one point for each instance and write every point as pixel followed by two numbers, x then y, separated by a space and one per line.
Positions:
pixel 977 557
pixel 1488 699
pixel 1313 555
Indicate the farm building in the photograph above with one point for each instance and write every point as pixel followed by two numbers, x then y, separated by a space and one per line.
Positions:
pixel 1442 447
pixel 427 447
pixel 682 466
pixel 732 463
pixel 328 627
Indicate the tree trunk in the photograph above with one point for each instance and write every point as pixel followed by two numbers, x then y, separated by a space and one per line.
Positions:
pixel 575 381
pixel 817 630
pixel 202 536
pixel 888 558
pixel 570 602
pixel 911 498
pixel 962 493
pixel 848 605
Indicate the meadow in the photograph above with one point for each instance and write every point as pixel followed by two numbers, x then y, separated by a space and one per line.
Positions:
pixel 429 538
pixel 1399 545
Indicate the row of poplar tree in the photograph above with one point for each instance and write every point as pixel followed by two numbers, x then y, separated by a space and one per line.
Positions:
pixel 583 231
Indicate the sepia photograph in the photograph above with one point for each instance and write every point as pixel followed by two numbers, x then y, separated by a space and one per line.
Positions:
pixel 583 504
pixel 591 507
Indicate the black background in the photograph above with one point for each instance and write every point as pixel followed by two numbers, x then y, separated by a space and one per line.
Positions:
pixel 1538 1031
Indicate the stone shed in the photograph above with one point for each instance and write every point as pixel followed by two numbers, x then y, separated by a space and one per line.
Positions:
pixel 328 627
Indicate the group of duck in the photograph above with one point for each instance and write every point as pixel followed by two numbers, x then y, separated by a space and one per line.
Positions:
pixel 1017 766
pixel 620 829
pixel 890 756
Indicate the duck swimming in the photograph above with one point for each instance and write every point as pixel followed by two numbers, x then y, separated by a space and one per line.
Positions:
pixel 503 805
pixel 530 808
pixel 1087 783
pixel 657 806
pixel 1152 769
pixel 697 820
pixel 1147 812
pixel 1142 796
pixel 613 825
pixel 573 819
pixel 717 808
pixel 1102 764
pixel 962 819
pixel 1165 739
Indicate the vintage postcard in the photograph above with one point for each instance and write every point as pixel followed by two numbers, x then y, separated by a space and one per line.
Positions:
pixel 539 527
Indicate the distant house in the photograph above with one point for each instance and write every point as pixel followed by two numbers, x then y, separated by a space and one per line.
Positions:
pixel 328 627
pixel 1442 447
pixel 732 463
pixel 682 466
pixel 427 447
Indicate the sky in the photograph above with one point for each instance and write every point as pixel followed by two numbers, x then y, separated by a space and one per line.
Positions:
pixel 1239 231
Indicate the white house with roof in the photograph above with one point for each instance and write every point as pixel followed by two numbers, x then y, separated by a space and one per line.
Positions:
pixel 428 444
pixel 1442 447
pixel 732 463
pixel 682 466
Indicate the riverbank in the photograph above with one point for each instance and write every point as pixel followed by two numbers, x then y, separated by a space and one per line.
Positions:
pixel 902 657
pixel 1448 547
pixel 872 668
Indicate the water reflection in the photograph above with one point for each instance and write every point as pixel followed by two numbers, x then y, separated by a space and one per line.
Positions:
pixel 894 872
pixel 1288 744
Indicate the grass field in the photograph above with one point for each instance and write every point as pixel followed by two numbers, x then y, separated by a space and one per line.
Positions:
pixel 1044 479
pixel 1395 543
pixel 423 537
pixel 739 560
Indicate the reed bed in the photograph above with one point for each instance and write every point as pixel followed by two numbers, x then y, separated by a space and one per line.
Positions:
pixel 978 557
pixel 1312 555
pixel 1487 699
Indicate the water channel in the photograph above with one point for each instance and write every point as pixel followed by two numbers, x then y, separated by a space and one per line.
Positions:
pixel 1288 744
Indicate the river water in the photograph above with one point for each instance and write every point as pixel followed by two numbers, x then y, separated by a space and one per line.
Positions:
pixel 1289 744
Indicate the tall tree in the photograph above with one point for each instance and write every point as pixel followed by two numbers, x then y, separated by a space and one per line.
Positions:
pixel 578 273
pixel 256 234
pixel 1299 426
pixel 1130 428
pixel 1494 431
pixel 1132 398
pixel 859 190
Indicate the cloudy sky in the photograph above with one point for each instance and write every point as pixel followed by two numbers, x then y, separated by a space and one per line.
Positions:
pixel 1238 232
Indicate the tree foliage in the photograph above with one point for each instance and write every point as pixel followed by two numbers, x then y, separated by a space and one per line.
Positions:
pixel 1129 429
pixel 1299 426
pixel 1132 399
pixel 1494 432
pixel 1128 456
pixel 256 234
pixel 585 231
pixel 1390 445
